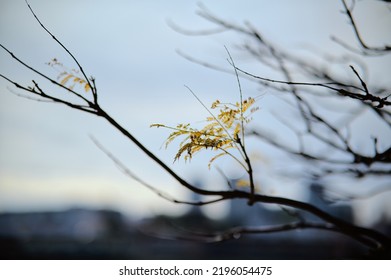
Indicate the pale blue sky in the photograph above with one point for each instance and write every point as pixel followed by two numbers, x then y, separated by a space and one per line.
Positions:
pixel 47 159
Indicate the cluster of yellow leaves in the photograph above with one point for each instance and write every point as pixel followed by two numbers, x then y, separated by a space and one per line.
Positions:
pixel 220 134
pixel 70 78
pixel 233 115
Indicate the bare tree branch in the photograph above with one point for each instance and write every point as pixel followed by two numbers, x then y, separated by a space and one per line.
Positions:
pixel 133 176
pixel 367 50
pixel 358 91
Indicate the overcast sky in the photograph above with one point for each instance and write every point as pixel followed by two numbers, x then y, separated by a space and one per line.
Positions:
pixel 48 161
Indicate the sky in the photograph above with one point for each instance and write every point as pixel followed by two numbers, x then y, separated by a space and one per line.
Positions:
pixel 47 158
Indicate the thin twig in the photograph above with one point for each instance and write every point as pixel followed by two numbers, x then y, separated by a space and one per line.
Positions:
pixel 133 176
pixel 66 49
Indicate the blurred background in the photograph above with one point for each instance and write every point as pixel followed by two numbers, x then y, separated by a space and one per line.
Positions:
pixel 60 196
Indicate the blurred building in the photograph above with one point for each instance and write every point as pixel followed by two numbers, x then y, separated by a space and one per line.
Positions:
pixel 105 234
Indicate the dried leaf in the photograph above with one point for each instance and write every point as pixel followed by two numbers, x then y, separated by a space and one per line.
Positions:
pixel 87 87
pixel 242 183
pixel 66 79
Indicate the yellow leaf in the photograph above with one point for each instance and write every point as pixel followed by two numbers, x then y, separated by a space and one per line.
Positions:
pixel 215 104
pixel 87 87
pixel 157 125
pixel 66 79
pixel 242 183
pixel 236 131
